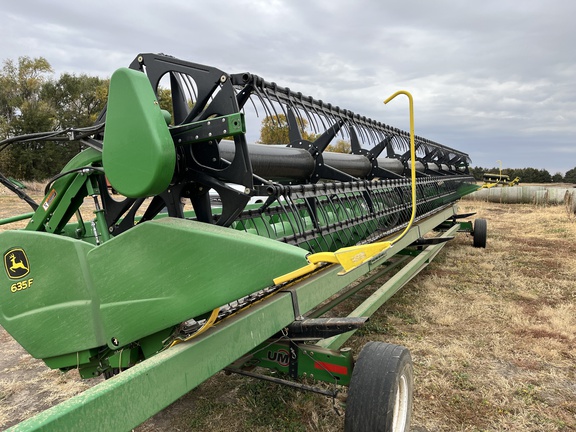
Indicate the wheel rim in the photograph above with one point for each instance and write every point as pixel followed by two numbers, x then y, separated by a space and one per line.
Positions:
pixel 401 405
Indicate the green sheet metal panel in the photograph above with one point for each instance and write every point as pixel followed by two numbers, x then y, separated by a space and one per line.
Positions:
pixel 138 154
pixel 74 296
pixel 46 298
pixel 163 272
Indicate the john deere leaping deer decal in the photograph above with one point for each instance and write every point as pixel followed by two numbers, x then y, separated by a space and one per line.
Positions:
pixel 16 263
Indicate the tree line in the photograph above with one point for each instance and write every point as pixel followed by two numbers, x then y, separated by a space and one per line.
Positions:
pixel 33 100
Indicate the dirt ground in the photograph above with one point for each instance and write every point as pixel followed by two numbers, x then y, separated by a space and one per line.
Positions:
pixel 492 333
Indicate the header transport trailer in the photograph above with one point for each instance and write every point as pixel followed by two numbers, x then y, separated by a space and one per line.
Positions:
pixel 165 286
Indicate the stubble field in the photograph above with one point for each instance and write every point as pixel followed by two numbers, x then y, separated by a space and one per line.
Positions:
pixel 492 334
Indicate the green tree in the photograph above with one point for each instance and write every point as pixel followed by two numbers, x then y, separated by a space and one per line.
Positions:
pixel 558 177
pixel 20 88
pixel 529 175
pixel 478 172
pixel 32 101
pixel 23 111
pixel 544 176
pixel 77 101
pixel 274 130
pixel 164 96
pixel 570 176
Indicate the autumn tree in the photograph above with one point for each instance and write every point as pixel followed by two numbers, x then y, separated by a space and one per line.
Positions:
pixel 274 130
pixel 341 146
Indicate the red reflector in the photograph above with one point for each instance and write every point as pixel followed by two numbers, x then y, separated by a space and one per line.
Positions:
pixel 337 369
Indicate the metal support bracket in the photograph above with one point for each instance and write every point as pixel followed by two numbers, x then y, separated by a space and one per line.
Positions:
pixel 295 305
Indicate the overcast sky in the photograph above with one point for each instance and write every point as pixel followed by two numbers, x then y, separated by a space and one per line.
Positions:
pixel 495 79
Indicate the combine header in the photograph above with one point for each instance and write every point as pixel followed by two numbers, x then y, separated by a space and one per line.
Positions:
pixel 492 180
pixel 180 273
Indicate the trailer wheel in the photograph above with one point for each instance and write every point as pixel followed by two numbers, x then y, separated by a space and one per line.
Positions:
pixel 111 372
pixel 480 233
pixel 380 393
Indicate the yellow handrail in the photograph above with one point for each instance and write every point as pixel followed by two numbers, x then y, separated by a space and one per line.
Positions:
pixel 412 160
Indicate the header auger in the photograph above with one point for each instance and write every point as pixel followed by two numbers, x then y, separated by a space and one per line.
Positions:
pixel 215 242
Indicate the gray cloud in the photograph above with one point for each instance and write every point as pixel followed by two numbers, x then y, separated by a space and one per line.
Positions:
pixel 493 79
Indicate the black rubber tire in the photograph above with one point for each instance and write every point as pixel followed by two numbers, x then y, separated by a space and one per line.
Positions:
pixel 480 233
pixel 381 388
pixel 111 372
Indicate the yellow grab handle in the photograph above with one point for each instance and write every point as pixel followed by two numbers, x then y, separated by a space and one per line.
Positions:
pixel 302 271
pixel 349 258
pixel 412 159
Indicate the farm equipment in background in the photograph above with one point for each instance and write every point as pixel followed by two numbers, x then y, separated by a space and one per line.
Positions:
pixel 493 180
pixel 169 286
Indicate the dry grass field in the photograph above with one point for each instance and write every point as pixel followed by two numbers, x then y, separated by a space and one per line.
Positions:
pixel 492 333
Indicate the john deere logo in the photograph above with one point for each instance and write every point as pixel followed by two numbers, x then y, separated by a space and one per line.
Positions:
pixel 16 263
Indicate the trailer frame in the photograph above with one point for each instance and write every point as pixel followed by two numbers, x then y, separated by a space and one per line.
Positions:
pixel 153 384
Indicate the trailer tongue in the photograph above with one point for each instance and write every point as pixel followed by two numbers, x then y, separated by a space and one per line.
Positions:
pixel 206 252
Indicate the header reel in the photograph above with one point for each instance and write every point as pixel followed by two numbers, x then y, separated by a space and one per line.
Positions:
pixel 209 105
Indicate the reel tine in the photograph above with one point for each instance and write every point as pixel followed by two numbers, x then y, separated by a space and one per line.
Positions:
pixel 320 116
pixel 354 141
pixel 275 88
pixel 315 115
pixel 264 101
pixel 303 107
pixel 254 106
pixel 191 87
pixel 179 105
